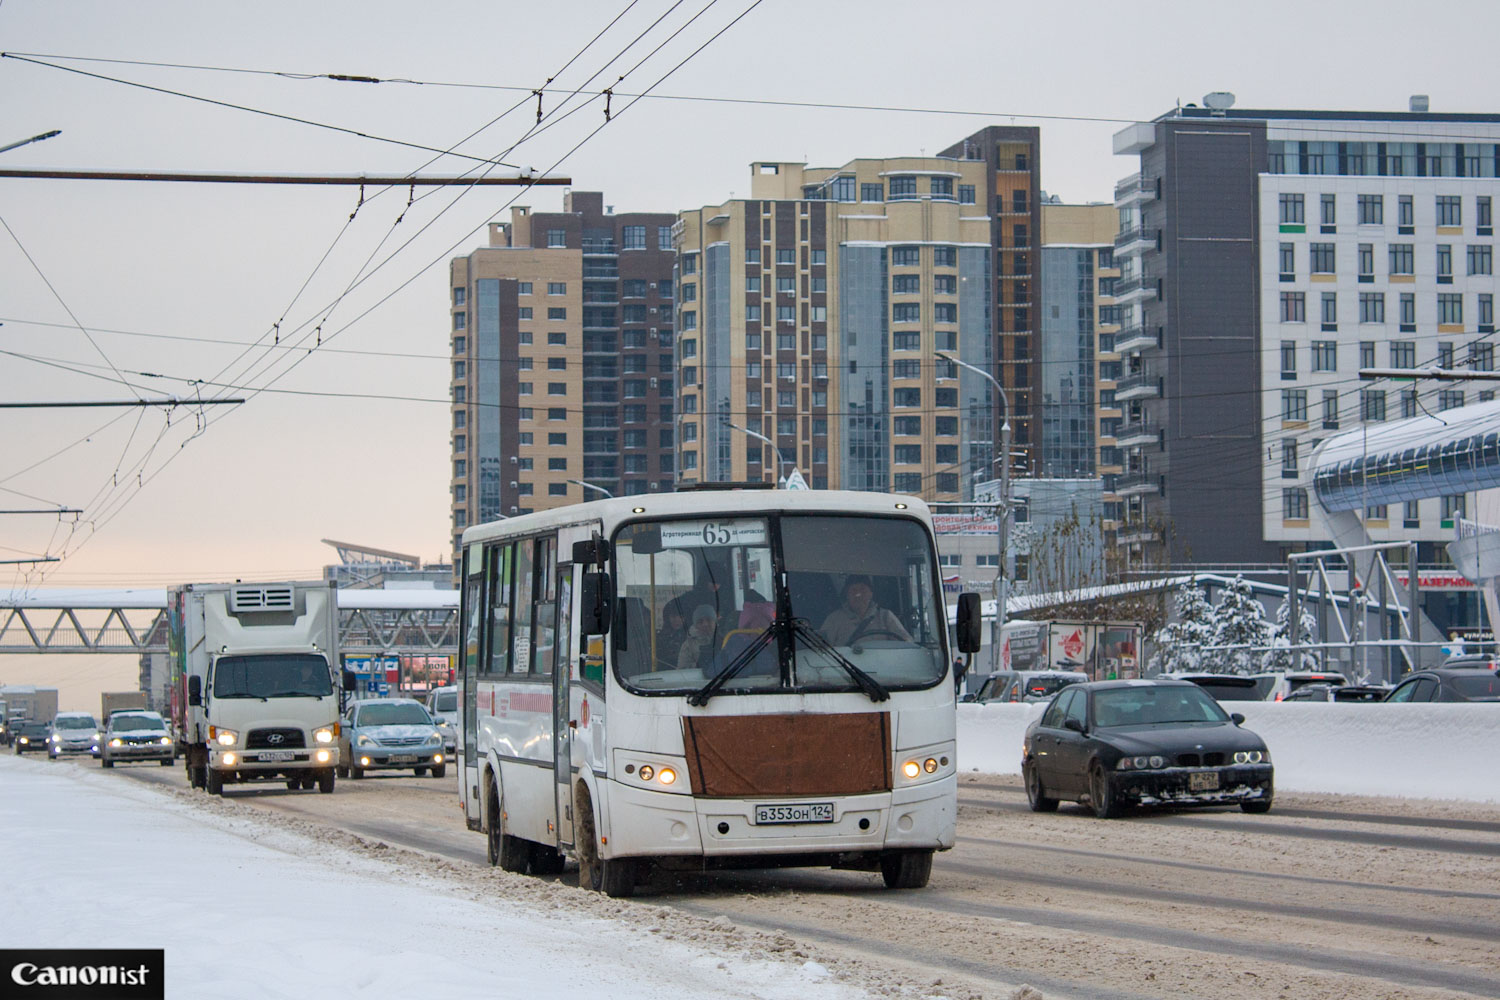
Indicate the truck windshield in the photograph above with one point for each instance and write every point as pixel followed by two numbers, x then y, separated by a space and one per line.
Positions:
pixel 767 604
pixel 272 675
pixel 445 701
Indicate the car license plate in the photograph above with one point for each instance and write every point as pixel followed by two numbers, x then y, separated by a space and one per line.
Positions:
pixel 1203 781
pixel 277 755
pixel 405 758
pixel 802 812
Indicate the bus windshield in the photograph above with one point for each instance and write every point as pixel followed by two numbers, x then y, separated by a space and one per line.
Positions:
pixel 774 603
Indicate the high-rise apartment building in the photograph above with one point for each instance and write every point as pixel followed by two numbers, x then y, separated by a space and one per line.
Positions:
pixel 1266 257
pixel 810 315
pixel 1078 366
pixel 562 361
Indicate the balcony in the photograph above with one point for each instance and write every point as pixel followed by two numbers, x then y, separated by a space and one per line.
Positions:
pixel 1134 241
pixel 1134 434
pixel 1134 533
pixel 1141 385
pixel 1135 338
pixel 1134 189
pixel 1135 289
pixel 599 248
pixel 1134 484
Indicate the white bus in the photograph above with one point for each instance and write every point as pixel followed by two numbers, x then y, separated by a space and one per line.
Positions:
pixel 799 712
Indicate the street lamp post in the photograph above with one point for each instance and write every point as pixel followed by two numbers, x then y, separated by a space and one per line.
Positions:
pixel 27 142
pixel 780 462
pixel 590 486
pixel 1002 510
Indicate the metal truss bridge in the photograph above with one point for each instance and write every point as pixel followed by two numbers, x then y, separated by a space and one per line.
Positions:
pixel 384 622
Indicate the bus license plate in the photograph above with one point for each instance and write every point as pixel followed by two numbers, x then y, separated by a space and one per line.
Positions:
pixel 1203 781
pixel 276 755
pixel 802 812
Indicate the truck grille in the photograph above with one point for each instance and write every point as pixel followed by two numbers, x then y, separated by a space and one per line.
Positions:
pixel 261 739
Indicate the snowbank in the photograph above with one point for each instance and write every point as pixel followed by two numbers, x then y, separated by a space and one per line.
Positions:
pixel 246 910
pixel 1411 751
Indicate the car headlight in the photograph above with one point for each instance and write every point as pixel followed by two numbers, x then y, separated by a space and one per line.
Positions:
pixel 55 738
pixel 434 738
pixel 1251 757
pixel 364 741
pixel 165 741
pixel 117 742
pixel 323 735
pixel 223 737
pixel 1141 763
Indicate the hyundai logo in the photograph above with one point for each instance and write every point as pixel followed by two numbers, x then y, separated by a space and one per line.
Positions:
pixel 276 738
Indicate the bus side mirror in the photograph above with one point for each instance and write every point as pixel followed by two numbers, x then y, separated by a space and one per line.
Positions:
pixel 595 604
pixel 969 623
pixel 593 552
pixel 195 690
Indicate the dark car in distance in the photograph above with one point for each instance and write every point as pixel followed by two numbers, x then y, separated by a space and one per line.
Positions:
pixel 1367 693
pixel 1448 684
pixel 1225 687
pixel 1113 744
pixel 31 737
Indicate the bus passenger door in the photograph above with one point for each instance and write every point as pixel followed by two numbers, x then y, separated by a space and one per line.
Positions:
pixel 562 712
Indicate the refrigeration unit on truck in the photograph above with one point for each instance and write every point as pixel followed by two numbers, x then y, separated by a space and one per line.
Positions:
pixel 253 668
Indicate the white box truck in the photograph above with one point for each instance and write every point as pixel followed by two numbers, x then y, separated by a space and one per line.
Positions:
pixel 253 693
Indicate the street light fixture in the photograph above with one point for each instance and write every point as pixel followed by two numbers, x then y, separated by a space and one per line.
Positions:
pixel 1002 510
pixel 780 462
pixel 590 486
pixel 35 138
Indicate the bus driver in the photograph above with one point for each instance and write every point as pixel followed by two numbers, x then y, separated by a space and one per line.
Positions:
pixel 860 616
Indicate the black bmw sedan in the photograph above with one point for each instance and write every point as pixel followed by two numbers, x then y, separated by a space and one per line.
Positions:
pixel 1113 744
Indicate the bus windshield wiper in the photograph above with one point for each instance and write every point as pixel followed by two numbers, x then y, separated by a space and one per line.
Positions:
pixel 700 697
pixel 815 640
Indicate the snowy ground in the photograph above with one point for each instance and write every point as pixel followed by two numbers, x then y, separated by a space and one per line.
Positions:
pixel 250 909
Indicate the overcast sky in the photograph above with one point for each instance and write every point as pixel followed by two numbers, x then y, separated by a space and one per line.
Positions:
pixel 352 443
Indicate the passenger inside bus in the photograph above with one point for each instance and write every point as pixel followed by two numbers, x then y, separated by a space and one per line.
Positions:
pixel 861 617
pixel 698 647
pixel 669 637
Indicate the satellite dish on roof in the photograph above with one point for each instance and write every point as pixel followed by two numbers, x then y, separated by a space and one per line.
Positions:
pixel 1219 100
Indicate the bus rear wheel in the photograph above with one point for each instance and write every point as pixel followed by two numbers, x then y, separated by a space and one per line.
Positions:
pixel 906 869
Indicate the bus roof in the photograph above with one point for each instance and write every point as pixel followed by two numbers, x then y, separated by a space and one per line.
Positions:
pixel 703 503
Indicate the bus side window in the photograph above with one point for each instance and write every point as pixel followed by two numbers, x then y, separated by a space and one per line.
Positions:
pixel 501 569
pixel 545 624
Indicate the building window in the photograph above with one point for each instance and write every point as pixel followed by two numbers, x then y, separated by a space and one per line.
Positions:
pixel 1405 212
pixel 1445 263
pixel 1408 312
pixel 1294 404
pixel 1367 354
pixel 1289 359
pixel 1327 205
pixel 663 237
pixel 1294 504
pixel 1450 399
pixel 1450 307
pixel 1403 258
pixel 786 257
pixel 907 397
pixel 906 369
pixel 1450 210
pixel 906 256
pixel 1453 506
pixel 1321 256
pixel 906 284
pixel 1482 356
pixel 903 188
pixel 557 312
pixel 945 312
pixel 872 192
pixel 1445 354
pixel 942 256
pixel 1330 304
pixel 1367 262
pixel 941 188
pixel 557 238
pixel 1289 458
pixel 1481 260
pixel 907 454
pixel 1291 210
pixel 1293 307
pixel 1486 316
pixel 966 194
pixel 1372 404
pixel 1372 307
pixel 1324 355
pixel 524 312
pixel 633 237
pixel 906 312
pixel 1371 209
pixel 1330 409
pixel 1403 353
pixel 1408 403
pixel 1288 258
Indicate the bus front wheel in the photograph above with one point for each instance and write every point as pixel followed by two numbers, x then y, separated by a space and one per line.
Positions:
pixel 906 869
pixel 614 877
pixel 507 852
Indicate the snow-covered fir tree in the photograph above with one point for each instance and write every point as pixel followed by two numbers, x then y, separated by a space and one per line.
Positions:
pixel 1239 621
pixel 1176 646
pixel 1280 657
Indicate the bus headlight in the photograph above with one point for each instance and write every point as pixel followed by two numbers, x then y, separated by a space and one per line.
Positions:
pixel 911 769
pixel 666 776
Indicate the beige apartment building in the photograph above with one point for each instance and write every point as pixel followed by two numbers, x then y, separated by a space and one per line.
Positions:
pixel 809 318
pixel 562 361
